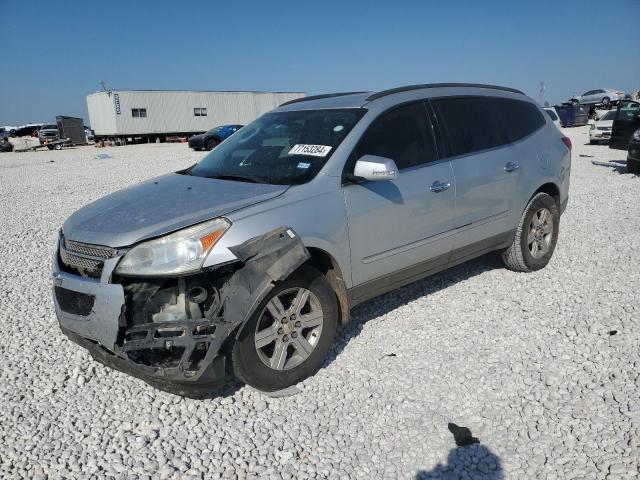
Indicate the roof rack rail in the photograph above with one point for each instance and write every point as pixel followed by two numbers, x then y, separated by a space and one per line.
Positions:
pixel 391 91
pixel 318 97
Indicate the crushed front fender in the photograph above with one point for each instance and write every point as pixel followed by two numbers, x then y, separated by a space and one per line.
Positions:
pixel 171 332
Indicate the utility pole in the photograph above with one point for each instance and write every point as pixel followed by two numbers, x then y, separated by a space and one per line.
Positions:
pixel 541 90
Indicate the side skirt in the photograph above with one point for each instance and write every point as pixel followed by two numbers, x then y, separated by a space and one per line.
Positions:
pixel 387 283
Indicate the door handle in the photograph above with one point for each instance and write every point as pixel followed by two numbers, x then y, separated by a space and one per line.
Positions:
pixel 437 186
pixel 511 166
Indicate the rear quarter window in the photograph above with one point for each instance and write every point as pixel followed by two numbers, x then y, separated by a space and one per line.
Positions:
pixel 522 118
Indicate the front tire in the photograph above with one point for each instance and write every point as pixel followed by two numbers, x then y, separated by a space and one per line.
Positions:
pixel 633 166
pixel 536 236
pixel 290 333
pixel 212 143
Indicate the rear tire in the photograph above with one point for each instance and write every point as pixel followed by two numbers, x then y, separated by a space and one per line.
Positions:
pixel 212 143
pixel 255 357
pixel 536 236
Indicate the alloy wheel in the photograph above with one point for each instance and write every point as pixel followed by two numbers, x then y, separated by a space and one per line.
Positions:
pixel 288 329
pixel 540 233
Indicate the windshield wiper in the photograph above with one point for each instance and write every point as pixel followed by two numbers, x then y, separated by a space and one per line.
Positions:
pixel 239 178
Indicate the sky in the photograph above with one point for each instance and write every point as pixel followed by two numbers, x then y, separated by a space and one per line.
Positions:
pixel 55 53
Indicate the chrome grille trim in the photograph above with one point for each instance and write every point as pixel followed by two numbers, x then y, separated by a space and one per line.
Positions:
pixel 80 262
pixel 85 249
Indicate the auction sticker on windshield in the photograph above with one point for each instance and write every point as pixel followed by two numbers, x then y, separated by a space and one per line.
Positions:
pixel 313 150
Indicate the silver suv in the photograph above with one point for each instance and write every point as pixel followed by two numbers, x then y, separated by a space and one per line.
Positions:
pixel 247 261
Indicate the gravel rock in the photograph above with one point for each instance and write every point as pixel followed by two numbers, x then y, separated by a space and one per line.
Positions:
pixel 527 362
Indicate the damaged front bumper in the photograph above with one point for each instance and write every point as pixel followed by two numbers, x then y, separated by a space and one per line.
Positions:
pixel 169 332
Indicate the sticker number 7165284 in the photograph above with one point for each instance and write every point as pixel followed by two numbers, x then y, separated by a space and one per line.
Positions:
pixel 312 150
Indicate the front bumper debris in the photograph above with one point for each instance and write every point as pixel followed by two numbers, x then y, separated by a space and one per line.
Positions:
pixel 170 332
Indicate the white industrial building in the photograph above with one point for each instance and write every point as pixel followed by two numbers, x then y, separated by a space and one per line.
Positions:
pixel 151 114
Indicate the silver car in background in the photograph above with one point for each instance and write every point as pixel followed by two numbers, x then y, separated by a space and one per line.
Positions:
pixel 247 261
pixel 600 130
pixel 599 96
pixel 553 115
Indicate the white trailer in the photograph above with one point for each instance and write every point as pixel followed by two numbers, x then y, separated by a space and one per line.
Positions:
pixel 154 115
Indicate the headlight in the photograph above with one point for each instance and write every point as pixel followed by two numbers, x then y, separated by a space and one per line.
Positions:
pixel 593 126
pixel 636 135
pixel 180 252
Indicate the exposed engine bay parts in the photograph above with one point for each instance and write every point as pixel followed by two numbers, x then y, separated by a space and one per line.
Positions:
pixel 170 331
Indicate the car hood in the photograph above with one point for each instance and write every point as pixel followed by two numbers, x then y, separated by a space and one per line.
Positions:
pixel 160 206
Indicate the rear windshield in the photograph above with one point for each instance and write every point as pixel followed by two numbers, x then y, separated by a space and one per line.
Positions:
pixel 284 148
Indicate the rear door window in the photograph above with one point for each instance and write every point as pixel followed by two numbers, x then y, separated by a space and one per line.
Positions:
pixel 471 124
pixel 402 134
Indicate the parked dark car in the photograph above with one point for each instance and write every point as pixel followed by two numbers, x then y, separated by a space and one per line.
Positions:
pixel 625 123
pixel 5 145
pixel 7 132
pixel 212 138
pixel 26 130
pixel 633 154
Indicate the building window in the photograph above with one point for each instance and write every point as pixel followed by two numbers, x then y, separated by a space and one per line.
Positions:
pixel 139 112
pixel 200 112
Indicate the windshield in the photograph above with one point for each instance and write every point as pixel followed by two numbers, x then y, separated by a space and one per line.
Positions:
pixel 610 115
pixel 284 148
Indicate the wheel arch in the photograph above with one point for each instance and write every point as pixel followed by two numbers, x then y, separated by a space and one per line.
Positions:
pixel 551 189
pixel 329 267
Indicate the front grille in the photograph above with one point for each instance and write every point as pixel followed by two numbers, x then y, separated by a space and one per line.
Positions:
pixel 92 250
pixel 82 263
pixel 72 302
pixel 83 258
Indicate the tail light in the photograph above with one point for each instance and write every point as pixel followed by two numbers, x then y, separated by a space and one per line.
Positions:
pixel 567 142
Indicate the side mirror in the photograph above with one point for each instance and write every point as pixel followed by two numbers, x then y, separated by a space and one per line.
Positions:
pixel 374 168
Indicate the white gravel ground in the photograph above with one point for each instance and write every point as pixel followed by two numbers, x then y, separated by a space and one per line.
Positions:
pixel 543 368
